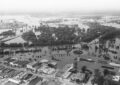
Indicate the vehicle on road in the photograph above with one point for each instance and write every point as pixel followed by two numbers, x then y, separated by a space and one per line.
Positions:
pixel 87 60
pixel 114 64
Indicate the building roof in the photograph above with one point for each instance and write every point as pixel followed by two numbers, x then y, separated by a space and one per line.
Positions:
pixel 32 63
pixel 53 63
pixel 79 76
pixel 68 67
pixel 44 60
pixel 37 65
pixel 10 83
pixel 66 74
pixel 21 62
pixel 16 40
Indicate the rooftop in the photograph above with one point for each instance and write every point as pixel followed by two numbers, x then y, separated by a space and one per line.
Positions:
pixel 21 62
pixel 32 63
pixel 79 76
pixel 10 83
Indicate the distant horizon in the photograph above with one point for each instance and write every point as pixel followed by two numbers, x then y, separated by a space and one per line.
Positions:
pixel 64 13
pixel 60 7
pixel 70 13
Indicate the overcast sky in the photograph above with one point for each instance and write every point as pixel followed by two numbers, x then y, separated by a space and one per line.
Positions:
pixel 58 5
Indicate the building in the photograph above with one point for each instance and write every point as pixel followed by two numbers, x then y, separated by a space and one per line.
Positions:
pixel 52 64
pixel 77 46
pixel 66 70
pixel 13 64
pixel 77 76
pixel 47 67
pixel 92 46
pixel 46 70
pixel 20 31
pixel 30 66
pixel 113 47
pixel 17 81
pixel 16 40
pixel 19 75
pixel 10 83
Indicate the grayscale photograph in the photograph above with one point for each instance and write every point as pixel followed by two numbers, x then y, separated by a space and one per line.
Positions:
pixel 59 42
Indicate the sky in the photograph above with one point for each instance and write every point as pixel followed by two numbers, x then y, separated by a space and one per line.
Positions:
pixel 55 6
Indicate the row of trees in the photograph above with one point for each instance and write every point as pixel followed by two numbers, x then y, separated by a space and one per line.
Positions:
pixel 53 36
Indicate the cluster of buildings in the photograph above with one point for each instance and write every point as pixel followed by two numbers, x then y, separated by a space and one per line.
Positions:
pixel 111 21
pixel 111 48
pixel 43 66
pixel 7 72
pixel 23 72
pixel 19 78
pixel 15 63
pixel 73 77
pixel 42 70
pixel 9 75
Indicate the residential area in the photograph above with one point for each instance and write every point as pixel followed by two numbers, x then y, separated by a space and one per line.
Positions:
pixel 59 51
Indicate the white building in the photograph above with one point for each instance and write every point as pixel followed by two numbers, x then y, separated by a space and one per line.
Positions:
pixel 15 80
pixel 30 66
